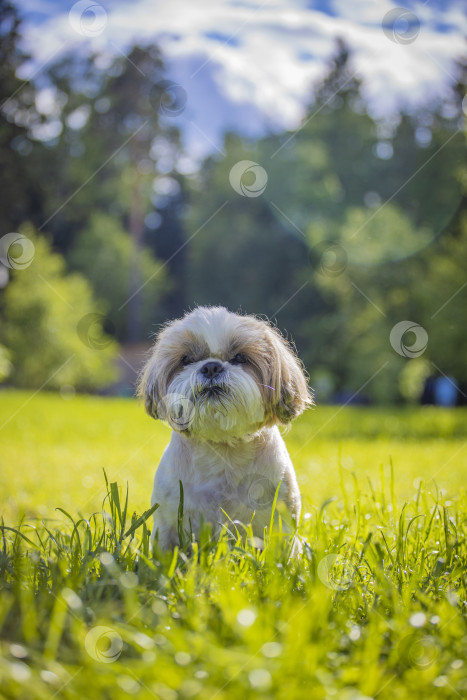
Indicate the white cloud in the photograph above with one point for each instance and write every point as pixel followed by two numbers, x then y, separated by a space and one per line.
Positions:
pixel 275 50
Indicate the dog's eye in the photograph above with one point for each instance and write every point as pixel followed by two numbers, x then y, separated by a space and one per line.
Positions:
pixel 186 360
pixel 239 359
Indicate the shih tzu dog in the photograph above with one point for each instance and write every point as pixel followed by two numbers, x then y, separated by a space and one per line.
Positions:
pixel 224 382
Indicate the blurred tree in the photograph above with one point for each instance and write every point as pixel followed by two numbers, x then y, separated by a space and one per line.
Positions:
pixel 255 252
pixel 117 144
pixel 369 299
pixel 361 224
pixel 243 255
pixel 328 164
pixel 441 297
pixel 5 364
pixel 52 326
pixel 341 239
pixel 20 186
pixel 103 253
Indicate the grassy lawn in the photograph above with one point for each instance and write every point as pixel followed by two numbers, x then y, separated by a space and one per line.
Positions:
pixel 373 608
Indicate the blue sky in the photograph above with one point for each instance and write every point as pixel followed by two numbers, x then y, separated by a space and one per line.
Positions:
pixel 250 66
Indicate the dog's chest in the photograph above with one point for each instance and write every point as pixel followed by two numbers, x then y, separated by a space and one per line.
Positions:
pixel 217 479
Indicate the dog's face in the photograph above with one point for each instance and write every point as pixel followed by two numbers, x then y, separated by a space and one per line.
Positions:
pixel 219 376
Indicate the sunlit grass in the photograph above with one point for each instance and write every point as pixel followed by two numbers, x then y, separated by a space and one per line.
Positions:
pixel 54 450
pixel 373 607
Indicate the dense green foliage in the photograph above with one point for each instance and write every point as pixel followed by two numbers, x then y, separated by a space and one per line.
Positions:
pixel 361 225
pixel 53 327
pixel 374 606
pixel 104 253
pixel 367 226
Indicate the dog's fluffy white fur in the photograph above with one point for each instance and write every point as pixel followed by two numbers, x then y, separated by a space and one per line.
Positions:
pixel 223 382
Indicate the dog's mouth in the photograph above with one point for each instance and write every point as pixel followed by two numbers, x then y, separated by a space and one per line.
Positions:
pixel 212 391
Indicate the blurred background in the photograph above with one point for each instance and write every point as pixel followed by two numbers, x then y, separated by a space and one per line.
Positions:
pixel 299 160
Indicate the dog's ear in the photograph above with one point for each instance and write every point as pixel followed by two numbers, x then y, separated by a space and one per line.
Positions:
pixel 291 394
pixel 158 371
pixel 149 385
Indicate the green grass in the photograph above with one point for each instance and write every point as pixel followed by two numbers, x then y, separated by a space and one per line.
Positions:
pixel 374 607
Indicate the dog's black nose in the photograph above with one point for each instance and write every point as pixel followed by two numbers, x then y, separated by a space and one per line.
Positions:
pixel 210 369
